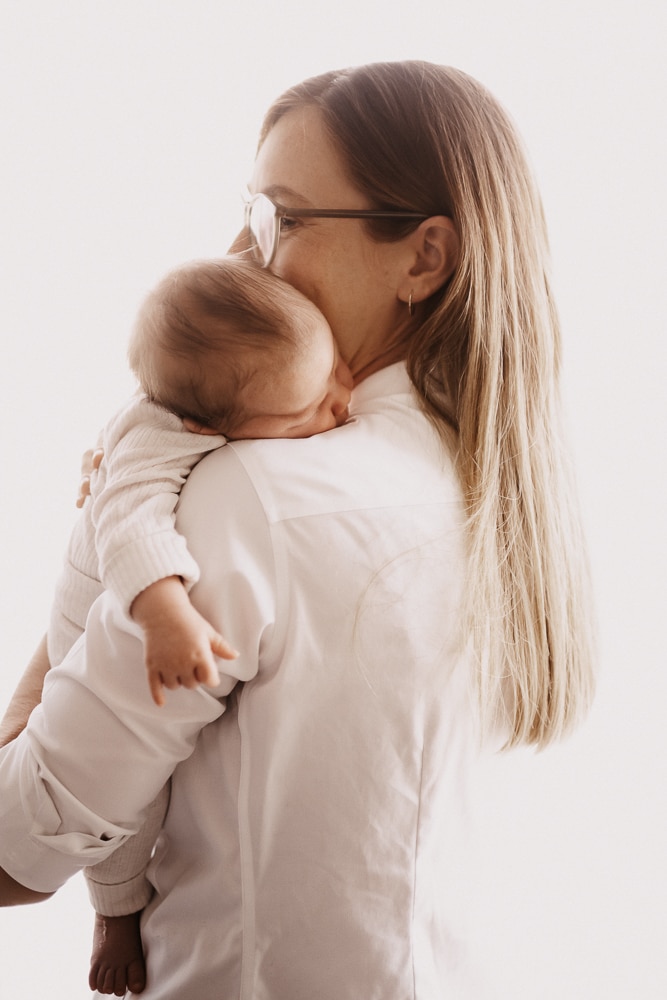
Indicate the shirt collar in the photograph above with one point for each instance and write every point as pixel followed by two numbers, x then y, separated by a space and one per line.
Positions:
pixel 391 381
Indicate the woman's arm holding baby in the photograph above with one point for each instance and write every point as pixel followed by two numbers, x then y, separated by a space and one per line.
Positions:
pixel 97 718
pixel 28 693
pixel 12 893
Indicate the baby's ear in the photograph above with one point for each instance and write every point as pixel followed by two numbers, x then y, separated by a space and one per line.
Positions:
pixel 196 428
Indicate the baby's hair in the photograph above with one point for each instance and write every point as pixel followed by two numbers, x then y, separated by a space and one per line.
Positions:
pixel 208 329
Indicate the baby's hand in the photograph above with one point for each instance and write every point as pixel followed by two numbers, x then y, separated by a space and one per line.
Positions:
pixel 179 642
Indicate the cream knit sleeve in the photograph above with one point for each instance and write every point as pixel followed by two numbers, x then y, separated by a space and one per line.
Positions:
pixel 148 455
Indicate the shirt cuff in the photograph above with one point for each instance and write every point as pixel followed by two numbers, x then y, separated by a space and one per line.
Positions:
pixel 33 850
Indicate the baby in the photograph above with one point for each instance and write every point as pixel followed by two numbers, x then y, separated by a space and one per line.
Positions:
pixel 222 350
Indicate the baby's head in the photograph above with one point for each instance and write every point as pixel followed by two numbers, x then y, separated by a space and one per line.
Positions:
pixel 232 349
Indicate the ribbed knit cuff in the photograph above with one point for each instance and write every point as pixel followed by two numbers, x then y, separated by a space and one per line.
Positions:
pixel 140 563
pixel 119 900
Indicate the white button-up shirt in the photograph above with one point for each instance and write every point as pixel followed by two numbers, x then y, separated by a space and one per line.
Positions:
pixel 318 809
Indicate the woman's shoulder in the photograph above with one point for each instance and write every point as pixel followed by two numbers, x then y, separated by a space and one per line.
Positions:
pixel 387 454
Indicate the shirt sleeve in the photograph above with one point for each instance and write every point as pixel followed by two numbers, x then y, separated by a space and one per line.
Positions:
pixel 76 783
pixel 148 455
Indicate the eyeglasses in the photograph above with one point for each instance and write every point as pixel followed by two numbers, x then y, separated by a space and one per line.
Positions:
pixel 263 219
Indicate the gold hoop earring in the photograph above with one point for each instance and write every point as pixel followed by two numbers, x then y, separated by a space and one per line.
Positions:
pixel 411 308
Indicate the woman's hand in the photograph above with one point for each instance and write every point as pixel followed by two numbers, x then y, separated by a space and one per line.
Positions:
pixel 12 893
pixel 89 463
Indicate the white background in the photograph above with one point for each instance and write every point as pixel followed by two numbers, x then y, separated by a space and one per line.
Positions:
pixel 128 130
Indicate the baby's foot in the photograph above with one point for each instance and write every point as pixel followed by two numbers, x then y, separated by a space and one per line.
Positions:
pixel 117 963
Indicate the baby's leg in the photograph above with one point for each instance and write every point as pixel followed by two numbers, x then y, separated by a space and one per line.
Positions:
pixel 117 961
pixel 119 890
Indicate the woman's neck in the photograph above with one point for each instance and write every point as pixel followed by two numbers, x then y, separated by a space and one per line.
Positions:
pixel 362 367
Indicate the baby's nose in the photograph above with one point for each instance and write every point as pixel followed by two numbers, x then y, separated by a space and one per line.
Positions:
pixel 341 416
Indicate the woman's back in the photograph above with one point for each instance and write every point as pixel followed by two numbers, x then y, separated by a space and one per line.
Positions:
pixel 346 755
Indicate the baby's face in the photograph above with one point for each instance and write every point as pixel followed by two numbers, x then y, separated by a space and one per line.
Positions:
pixel 301 397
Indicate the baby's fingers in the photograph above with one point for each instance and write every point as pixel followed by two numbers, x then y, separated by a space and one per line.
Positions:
pixel 157 688
pixel 90 462
pixel 206 673
pixel 221 647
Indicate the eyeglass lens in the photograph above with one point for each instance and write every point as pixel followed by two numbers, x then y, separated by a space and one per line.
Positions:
pixel 262 226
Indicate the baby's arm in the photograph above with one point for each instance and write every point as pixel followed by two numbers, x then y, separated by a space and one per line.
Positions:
pixel 179 643
pixel 148 455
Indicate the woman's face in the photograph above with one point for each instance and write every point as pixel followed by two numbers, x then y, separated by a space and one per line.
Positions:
pixel 351 278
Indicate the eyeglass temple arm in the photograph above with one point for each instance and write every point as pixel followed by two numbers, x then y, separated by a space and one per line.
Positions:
pixel 339 213
pixel 335 213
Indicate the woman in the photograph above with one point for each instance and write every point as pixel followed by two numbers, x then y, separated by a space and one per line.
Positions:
pixel 372 578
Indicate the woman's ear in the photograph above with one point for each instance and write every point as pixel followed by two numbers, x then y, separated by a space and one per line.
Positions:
pixel 434 247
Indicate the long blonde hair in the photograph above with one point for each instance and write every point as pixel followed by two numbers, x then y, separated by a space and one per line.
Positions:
pixel 484 356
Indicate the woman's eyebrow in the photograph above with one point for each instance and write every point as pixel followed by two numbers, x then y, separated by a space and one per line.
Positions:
pixel 285 195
